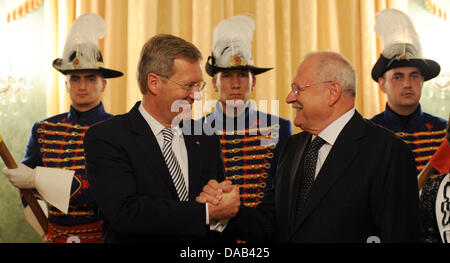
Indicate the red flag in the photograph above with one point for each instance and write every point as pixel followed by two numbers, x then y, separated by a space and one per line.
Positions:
pixel 441 158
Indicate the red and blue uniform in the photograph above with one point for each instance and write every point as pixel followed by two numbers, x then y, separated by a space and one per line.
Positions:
pixel 251 143
pixel 57 142
pixel 423 132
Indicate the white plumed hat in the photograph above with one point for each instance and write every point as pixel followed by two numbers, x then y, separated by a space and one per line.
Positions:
pixel 402 46
pixel 232 46
pixel 81 50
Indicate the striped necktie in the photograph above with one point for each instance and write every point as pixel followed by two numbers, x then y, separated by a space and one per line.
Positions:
pixel 173 165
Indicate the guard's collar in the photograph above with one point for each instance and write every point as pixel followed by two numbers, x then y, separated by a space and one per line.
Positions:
pixel 399 122
pixel 76 116
pixel 219 114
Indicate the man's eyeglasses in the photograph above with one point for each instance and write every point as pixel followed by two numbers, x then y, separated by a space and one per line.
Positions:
pixel 297 88
pixel 188 87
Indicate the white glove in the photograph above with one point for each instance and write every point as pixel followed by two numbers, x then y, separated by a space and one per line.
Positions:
pixel 22 177
pixel 53 184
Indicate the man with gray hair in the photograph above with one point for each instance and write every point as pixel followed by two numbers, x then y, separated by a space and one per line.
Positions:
pixel 343 179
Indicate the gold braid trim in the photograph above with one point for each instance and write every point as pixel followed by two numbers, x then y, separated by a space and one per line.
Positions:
pixel 253 131
pixel 249 157
pixel 250 148
pixel 45 150
pixel 248 176
pixel 252 204
pixel 425 149
pixel 74 134
pixel 250 139
pixel 425 141
pixel 423 158
pixel 68 125
pixel 58 160
pixel 74 167
pixel 260 185
pixel 258 195
pixel 248 167
pixel 40 140
pixel 72 213
pixel 424 133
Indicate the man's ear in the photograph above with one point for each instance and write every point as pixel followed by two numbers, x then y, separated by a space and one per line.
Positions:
pixel 382 82
pixel 152 83
pixel 335 93
pixel 103 84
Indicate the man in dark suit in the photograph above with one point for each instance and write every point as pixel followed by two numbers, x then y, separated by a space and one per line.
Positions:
pixel 144 169
pixel 342 179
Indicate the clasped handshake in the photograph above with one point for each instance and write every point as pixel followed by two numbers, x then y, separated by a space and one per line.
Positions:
pixel 223 199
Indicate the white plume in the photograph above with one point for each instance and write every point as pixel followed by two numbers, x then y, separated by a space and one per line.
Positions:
pixel 83 38
pixel 233 36
pixel 398 33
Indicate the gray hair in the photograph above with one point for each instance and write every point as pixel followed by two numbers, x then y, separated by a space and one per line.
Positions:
pixel 334 66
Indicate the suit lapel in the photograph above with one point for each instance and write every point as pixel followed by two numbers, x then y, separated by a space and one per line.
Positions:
pixel 340 157
pixel 293 180
pixel 147 143
pixel 194 165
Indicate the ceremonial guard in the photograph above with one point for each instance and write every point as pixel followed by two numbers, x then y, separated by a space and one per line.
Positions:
pixel 251 139
pixel 54 161
pixel 401 71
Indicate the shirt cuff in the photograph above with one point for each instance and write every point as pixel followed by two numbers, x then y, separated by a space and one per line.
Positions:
pixel 219 226
pixel 214 225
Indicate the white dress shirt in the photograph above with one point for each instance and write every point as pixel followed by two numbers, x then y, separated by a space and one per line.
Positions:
pixel 330 134
pixel 178 147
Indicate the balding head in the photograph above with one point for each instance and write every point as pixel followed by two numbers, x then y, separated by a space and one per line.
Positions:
pixel 330 65
pixel 323 89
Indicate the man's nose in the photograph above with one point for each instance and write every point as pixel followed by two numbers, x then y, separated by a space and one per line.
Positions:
pixel 235 81
pixel 290 97
pixel 82 84
pixel 407 82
